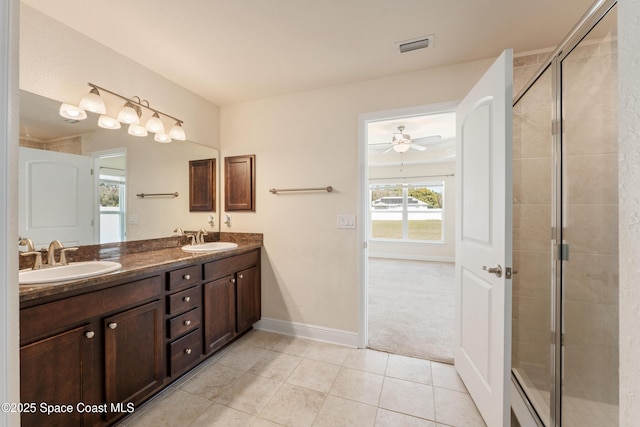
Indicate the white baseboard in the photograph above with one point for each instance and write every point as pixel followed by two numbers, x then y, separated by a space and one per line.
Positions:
pixel 318 333
pixel 411 257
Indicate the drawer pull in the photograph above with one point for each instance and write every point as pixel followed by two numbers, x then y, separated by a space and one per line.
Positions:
pixel 188 351
pixel 187 322
pixel 186 277
pixel 186 299
pixel 89 334
pixel 113 325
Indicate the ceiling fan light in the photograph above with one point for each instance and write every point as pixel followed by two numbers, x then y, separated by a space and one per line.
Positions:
pixel 92 102
pixel 154 124
pixel 72 112
pixel 401 148
pixel 137 130
pixel 177 132
pixel 162 137
pixel 128 114
pixel 108 122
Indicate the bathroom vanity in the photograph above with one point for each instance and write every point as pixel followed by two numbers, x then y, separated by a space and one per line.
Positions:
pixel 92 350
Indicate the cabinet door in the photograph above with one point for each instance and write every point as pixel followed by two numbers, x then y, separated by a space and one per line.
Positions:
pixel 248 298
pixel 219 313
pixel 202 185
pixel 59 370
pixel 133 353
pixel 240 183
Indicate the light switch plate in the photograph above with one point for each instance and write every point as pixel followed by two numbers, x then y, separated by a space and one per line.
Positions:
pixel 346 221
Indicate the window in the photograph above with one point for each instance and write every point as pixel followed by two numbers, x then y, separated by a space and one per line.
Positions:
pixel 408 212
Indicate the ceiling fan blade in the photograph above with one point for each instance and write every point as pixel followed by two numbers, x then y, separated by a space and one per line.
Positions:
pixel 417 147
pixel 387 150
pixel 427 139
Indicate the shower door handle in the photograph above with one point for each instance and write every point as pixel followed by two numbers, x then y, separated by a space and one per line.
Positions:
pixel 494 270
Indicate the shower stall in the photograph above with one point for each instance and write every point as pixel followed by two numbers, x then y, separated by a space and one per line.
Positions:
pixel 565 230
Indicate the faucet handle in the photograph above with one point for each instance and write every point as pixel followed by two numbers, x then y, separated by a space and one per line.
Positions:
pixel 28 243
pixel 179 231
pixel 63 256
pixel 37 263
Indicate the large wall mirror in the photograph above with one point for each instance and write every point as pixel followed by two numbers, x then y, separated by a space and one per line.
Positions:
pixel 82 184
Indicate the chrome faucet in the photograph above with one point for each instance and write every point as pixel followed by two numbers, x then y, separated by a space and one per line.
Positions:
pixel 51 255
pixel 200 236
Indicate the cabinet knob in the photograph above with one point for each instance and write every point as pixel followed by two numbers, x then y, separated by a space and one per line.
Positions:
pixel 233 280
pixel 241 276
pixel 186 299
pixel 187 276
pixel 89 334
pixel 187 351
pixel 113 325
pixel 187 322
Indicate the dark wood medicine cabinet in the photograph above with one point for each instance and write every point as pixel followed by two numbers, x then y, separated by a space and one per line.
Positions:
pixel 202 185
pixel 240 183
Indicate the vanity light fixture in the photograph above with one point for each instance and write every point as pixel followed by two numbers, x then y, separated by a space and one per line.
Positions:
pixel 130 114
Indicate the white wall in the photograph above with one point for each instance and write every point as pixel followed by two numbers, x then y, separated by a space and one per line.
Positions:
pixel 310 139
pixel 444 251
pixel 57 62
pixel 629 209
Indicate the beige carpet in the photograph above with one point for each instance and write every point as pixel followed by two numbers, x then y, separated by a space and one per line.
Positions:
pixel 411 308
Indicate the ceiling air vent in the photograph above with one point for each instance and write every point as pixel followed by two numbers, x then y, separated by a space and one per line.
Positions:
pixel 415 44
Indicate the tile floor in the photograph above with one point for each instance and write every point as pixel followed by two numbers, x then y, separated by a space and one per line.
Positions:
pixel 266 379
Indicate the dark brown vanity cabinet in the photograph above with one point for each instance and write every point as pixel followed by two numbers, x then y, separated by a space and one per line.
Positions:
pixel 240 183
pixel 91 349
pixel 219 313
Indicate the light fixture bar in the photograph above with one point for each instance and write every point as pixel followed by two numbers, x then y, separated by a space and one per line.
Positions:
pixel 139 103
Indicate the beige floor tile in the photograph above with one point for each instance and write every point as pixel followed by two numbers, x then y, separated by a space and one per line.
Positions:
pixel 222 416
pixel 446 376
pixel 329 353
pixel 409 368
pixel 212 382
pixel 250 393
pixel 343 412
pixel 456 409
pixel 314 375
pixel 360 386
pixel 368 360
pixel 394 419
pixel 274 365
pixel 176 408
pixel 293 406
pixel 262 339
pixel 408 398
pixel 292 345
pixel 242 357
pixel 260 422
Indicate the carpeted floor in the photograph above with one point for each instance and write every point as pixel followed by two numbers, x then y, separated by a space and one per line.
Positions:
pixel 411 308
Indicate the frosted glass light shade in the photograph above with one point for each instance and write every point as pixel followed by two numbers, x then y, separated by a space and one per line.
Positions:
pixel 162 137
pixel 92 102
pixel 137 130
pixel 177 132
pixel 108 122
pixel 128 115
pixel 72 112
pixel 401 148
pixel 154 124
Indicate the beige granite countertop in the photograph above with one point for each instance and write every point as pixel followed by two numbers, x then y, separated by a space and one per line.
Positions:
pixel 133 265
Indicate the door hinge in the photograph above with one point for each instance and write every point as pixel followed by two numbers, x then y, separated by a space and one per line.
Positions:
pixel 364 245
pixel 91 172
pixel 563 252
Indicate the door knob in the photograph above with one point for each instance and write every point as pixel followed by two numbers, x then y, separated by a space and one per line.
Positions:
pixel 494 270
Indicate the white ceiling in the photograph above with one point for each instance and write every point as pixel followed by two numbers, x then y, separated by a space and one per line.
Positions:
pixel 236 50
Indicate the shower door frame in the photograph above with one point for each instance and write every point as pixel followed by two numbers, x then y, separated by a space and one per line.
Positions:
pixel 554 62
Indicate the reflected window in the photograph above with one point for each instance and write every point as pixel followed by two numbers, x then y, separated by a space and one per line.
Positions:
pixel 112 198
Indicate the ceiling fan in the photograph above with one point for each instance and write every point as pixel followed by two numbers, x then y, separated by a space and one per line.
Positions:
pixel 402 142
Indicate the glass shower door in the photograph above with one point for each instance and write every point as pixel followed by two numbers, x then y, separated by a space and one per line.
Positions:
pixel 590 229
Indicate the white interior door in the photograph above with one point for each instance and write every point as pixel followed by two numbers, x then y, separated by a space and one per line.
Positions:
pixel 56 197
pixel 483 241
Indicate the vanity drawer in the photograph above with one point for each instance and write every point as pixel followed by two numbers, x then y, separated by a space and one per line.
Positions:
pixel 184 277
pixel 185 351
pixel 184 323
pixel 225 267
pixel 184 300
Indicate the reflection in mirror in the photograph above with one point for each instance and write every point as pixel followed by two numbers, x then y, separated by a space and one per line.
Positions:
pixel 78 182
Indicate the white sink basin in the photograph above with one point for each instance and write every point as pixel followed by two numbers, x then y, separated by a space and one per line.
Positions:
pixel 210 247
pixel 75 270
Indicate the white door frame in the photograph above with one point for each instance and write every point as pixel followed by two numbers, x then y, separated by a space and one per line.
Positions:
pixel 363 198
